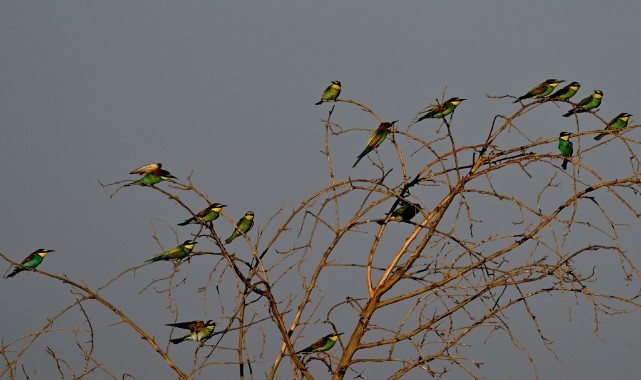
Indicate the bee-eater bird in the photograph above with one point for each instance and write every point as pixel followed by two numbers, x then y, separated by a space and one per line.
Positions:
pixel 207 215
pixel 321 345
pixel 244 225
pixel 441 110
pixel 403 213
pixel 375 140
pixel 33 260
pixel 565 147
pixel 147 169
pixel 616 124
pixel 566 92
pixel 331 92
pixel 177 253
pixel 152 174
pixel 586 103
pixel 541 90
pixel 199 330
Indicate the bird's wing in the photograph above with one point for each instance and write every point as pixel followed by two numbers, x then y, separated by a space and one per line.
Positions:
pixel 28 258
pixel 192 326
pixel 146 169
pixel 319 343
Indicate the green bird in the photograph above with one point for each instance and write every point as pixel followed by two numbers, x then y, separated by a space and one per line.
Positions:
pixel 566 92
pixel 200 330
pixel 403 213
pixel 331 92
pixel 207 215
pixel 616 124
pixel 177 253
pixel 33 260
pixel 244 225
pixel 152 174
pixel 441 110
pixel 375 140
pixel 321 345
pixel 565 147
pixel 586 103
pixel 541 90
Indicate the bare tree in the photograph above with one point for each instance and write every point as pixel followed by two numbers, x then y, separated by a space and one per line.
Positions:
pixel 498 226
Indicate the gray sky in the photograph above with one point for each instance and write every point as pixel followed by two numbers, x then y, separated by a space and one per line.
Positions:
pixel 91 90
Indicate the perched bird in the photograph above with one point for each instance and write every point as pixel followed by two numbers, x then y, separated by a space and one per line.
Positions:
pixel 586 103
pixel 147 169
pixel 565 147
pixel 321 345
pixel 566 92
pixel 199 330
pixel 244 225
pixel 375 140
pixel 441 110
pixel 618 123
pixel 152 174
pixel 331 92
pixel 179 252
pixel 541 90
pixel 403 213
pixel 33 260
pixel 207 215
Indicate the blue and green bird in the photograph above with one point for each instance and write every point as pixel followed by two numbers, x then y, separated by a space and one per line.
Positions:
pixel 323 344
pixel 244 225
pixel 616 124
pixel 565 147
pixel 177 253
pixel 439 111
pixel 33 260
pixel 586 104
pixel 541 90
pixel 566 92
pixel 405 212
pixel 199 331
pixel 375 139
pixel 207 215
pixel 331 92
pixel 152 174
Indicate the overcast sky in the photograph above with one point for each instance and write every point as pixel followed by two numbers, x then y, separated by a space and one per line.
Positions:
pixel 226 90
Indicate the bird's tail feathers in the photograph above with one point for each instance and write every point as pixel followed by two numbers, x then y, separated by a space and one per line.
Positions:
pixel 177 340
pixel 600 136
pixel 564 165
pixel 319 102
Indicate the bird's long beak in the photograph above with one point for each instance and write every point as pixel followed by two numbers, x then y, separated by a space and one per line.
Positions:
pixel 223 205
pixel 394 122
pixel 51 250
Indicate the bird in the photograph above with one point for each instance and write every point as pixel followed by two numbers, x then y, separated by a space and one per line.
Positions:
pixel 403 213
pixel 565 147
pixel 179 252
pixel 541 90
pixel 586 103
pixel 566 92
pixel 619 122
pixel 33 260
pixel 152 174
pixel 244 225
pixel 321 345
pixel 147 169
pixel 199 330
pixel 377 137
pixel 331 92
pixel 441 110
pixel 207 215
